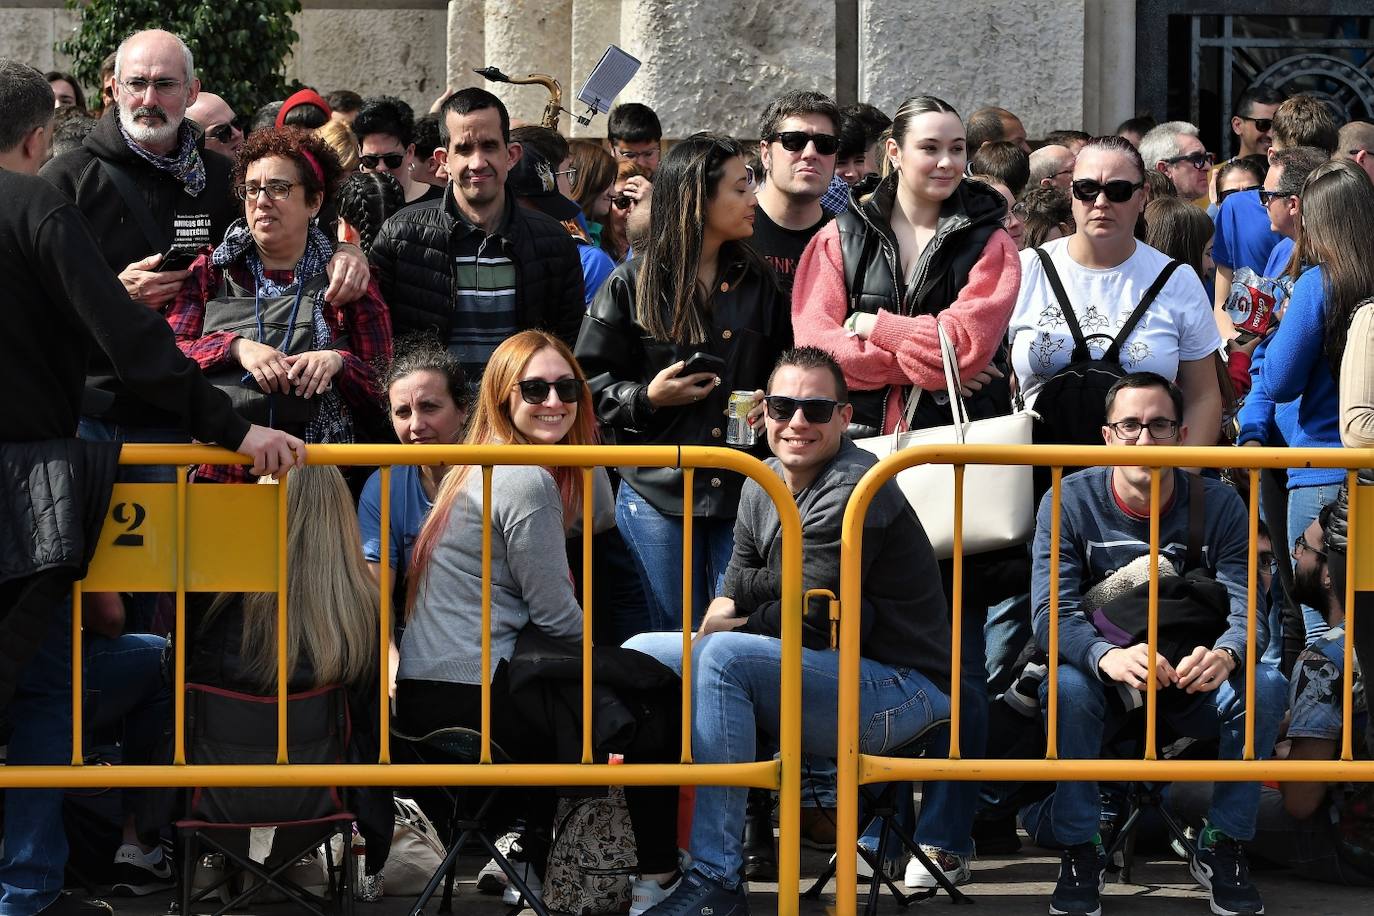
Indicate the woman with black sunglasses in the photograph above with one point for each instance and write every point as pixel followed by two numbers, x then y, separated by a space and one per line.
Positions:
pixel 695 288
pixel 1106 272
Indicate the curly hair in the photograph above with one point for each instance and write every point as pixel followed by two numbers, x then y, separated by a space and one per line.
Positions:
pixel 366 200
pixel 293 143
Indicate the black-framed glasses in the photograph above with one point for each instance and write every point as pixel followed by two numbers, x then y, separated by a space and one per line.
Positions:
pixel 221 133
pixel 536 390
pixel 794 141
pixel 816 410
pixel 1300 544
pixel 1198 161
pixel 636 155
pixel 1222 195
pixel 138 85
pixel 1263 125
pixel 1118 191
pixel 1161 429
pixel 570 172
pixel 1268 197
pixel 392 160
pixel 1267 562
pixel 275 190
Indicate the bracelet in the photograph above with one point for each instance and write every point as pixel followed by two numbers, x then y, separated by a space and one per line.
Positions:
pixel 851 324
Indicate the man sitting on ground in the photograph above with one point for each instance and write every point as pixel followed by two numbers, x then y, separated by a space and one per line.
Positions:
pixel 1105 526
pixel 737 655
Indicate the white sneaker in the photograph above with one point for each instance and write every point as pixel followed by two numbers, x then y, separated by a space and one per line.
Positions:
pixel 491 879
pixel 647 893
pixel 511 896
pixel 955 868
pixel 892 867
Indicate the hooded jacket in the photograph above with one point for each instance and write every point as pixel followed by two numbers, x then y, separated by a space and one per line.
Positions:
pixel 969 270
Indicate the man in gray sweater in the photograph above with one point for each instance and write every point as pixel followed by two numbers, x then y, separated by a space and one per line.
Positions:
pixel 904 629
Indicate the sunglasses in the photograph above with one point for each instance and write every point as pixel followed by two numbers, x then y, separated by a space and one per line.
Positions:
pixel 1118 191
pixel 221 133
pixel 1198 161
pixel 1222 195
pixel 1268 197
pixel 794 141
pixel 816 410
pixel 536 390
pixel 1261 124
pixel 392 160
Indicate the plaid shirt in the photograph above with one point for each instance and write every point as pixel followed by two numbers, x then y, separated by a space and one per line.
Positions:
pixel 836 197
pixel 366 322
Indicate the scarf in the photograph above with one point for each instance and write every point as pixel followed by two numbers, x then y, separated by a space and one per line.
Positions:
pixel 185 165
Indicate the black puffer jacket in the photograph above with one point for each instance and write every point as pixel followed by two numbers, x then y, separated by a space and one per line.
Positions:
pixel 873 264
pixel 750 326
pixel 413 259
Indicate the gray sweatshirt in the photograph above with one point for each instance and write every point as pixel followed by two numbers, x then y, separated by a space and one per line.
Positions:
pixel 530 583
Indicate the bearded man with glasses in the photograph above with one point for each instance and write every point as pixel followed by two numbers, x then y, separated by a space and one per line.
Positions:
pixel 1104 528
pixel 737 655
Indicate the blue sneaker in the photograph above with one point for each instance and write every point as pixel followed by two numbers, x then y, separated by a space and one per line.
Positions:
pixel 1082 874
pixel 1218 863
pixel 698 895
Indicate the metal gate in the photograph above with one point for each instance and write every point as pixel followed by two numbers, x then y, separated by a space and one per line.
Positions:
pixel 1196 58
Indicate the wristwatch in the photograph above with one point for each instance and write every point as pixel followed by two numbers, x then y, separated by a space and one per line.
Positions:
pixel 1235 657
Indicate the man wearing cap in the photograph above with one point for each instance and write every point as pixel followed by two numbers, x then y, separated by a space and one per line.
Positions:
pixel 475 268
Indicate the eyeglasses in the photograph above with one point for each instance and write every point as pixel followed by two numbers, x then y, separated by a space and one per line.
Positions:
pixel 633 156
pixel 571 173
pixel 536 390
pixel 1268 197
pixel 1261 124
pixel 1267 562
pixel 1300 544
pixel 1222 195
pixel 794 141
pixel 1019 210
pixel 1198 161
pixel 137 85
pixel 1161 428
pixel 392 160
pixel 816 410
pixel 275 190
pixel 1118 191
pixel 221 133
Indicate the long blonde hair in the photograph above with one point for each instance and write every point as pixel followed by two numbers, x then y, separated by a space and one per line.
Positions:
pixel 332 601
pixel 492 424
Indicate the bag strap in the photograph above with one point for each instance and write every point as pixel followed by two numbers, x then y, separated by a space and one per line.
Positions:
pixel 949 361
pixel 1080 343
pixel 1113 354
pixel 1197 520
pixel 138 207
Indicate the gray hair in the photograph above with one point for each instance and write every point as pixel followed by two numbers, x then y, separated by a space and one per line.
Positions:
pixel 1047 162
pixel 185 53
pixel 26 102
pixel 1162 141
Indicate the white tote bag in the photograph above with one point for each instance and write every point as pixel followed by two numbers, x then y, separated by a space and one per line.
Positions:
pixel 998 503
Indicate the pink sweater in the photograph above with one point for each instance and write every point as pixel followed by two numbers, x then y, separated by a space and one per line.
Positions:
pixel 901 350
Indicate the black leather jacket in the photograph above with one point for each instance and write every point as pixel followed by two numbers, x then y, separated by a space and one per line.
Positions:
pixel 873 264
pixel 413 259
pixel 750 326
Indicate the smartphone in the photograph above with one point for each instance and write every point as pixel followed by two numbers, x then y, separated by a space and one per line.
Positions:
pixel 703 362
pixel 176 259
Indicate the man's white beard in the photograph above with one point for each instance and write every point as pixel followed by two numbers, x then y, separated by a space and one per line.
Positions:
pixel 145 134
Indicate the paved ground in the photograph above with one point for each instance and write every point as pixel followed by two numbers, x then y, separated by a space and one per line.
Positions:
pixel 1014 885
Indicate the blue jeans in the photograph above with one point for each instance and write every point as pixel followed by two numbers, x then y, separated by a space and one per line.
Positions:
pixel 1071 814
pixel 1303 505
pixel 93 429
pixel 1005 635
pixel 947 808
pixel 123 681
pixel 735 679
pixel 655 542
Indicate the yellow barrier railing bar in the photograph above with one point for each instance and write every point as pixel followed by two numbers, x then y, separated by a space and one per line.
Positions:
pixel 1052 725
pixel 78 690
pixel 688 480
pixel 179 694
pixel 956 615
pixel 283 674
pixel 1352 483
pixel 588 493
pixel 485 756
pixel 1251 598
pixel 1152 637
pixel 384 618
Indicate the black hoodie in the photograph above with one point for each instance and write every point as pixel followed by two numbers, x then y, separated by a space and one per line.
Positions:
pixel 191 222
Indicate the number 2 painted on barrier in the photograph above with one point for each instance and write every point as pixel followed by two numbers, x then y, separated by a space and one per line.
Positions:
pixel 134 520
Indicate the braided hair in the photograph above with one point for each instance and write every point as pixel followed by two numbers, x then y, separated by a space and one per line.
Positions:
pixel 365 201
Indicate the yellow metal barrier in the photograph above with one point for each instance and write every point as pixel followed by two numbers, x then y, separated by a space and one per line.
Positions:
pixel 179 538
pixel 855 768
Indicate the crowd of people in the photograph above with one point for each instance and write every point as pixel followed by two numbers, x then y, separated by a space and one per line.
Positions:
pixel 335 269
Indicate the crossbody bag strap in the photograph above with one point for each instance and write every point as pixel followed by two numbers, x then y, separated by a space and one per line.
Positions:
pixel 1080 343
pixel 138 207
pixel 1197 520
pixel 1113 353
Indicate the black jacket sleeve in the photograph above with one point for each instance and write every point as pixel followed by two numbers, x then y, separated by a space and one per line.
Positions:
pixel 610 353
pixel 138 342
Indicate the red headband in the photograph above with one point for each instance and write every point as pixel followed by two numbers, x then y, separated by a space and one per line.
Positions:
pixel 314 164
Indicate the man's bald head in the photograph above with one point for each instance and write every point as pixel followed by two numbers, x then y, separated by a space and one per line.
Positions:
pixel 1051 167
pixel 154 41
pixel 216 118
pixel 1356 143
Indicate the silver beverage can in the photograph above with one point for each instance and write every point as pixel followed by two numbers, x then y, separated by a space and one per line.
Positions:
pixel 739 433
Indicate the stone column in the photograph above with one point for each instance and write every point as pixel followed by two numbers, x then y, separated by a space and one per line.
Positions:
pixel 1109 65
pixel 595 26
pixel 466 42
pixel 524 37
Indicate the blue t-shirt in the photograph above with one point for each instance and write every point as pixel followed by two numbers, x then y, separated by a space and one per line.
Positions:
pixel 596 267
pixel 1243 237
pixel 409 506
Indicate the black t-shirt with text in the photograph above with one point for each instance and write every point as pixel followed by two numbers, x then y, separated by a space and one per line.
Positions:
pixel 782 248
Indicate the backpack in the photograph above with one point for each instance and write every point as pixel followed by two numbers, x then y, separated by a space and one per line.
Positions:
pixel 592 862
pixel 1072 404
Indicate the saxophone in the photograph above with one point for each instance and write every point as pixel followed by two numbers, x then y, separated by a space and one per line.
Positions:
pixel 552 107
